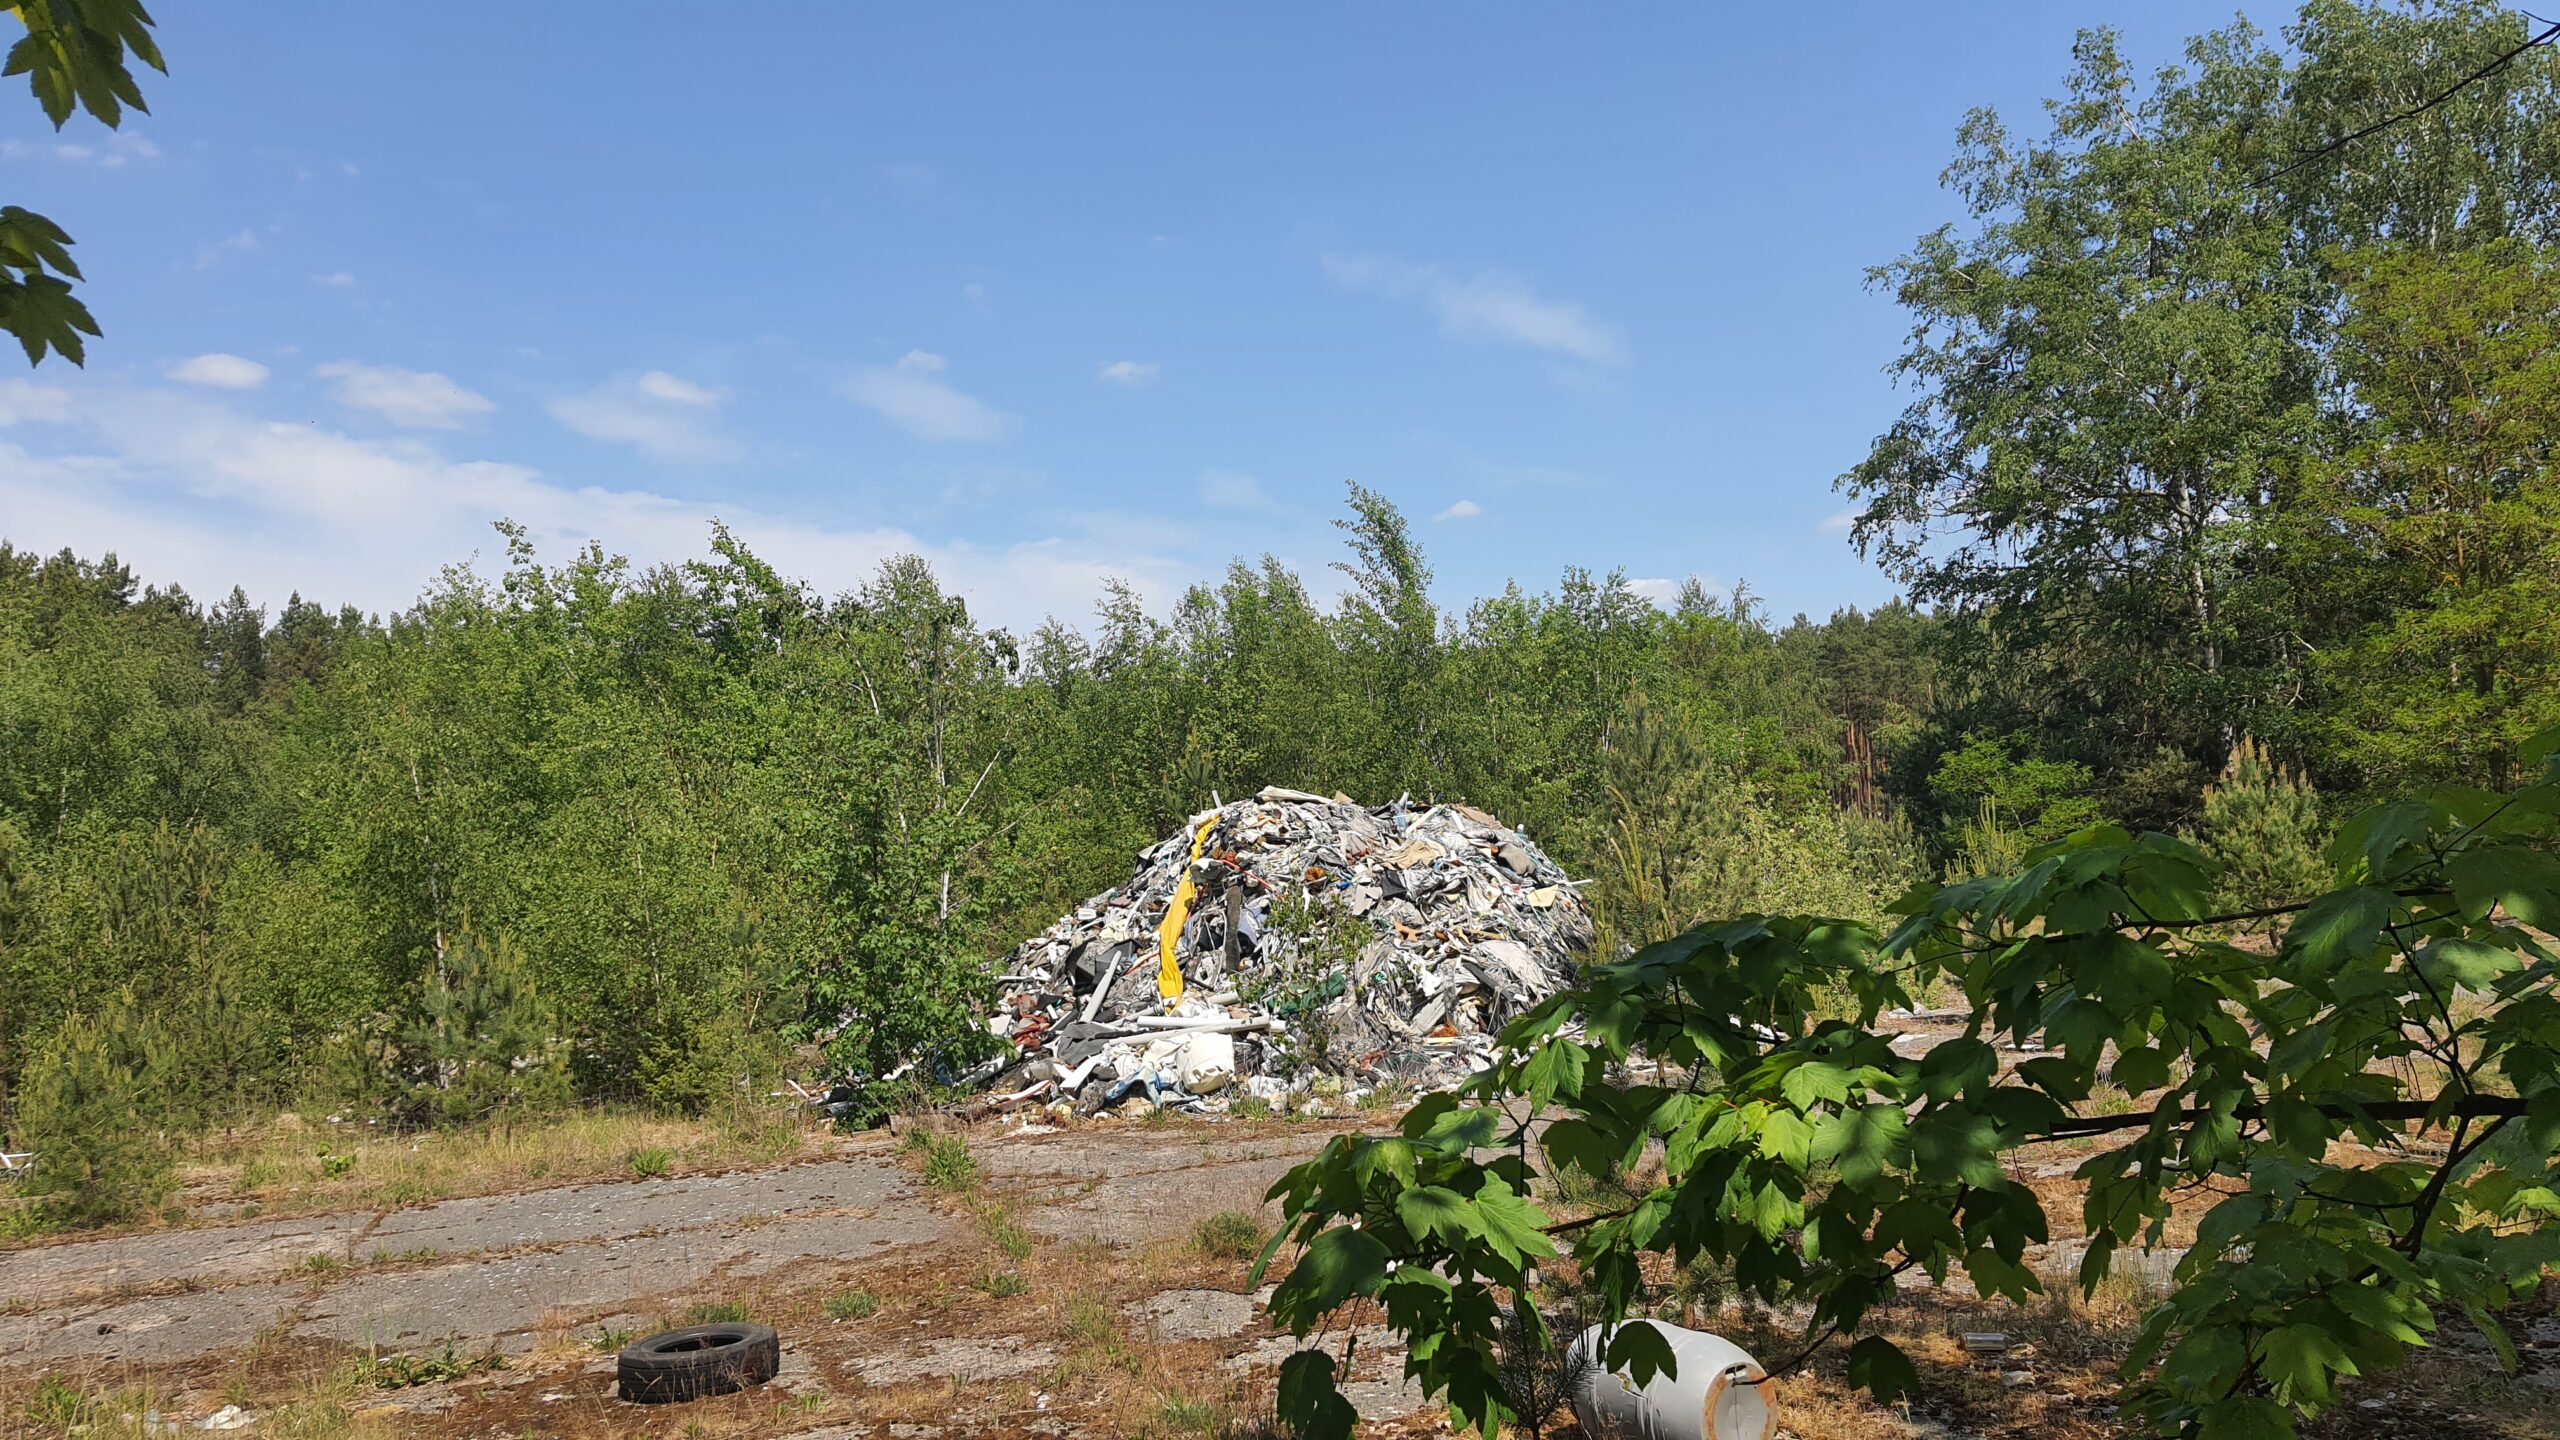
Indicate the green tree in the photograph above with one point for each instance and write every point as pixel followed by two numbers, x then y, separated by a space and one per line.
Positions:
pixel 2262 827
pixel 74 57
pixel 2436 531
pixel 1816 1163
pixel 97 1162
pixel 2123 356
pixel 480 1045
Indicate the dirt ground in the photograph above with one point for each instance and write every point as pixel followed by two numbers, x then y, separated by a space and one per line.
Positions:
pixel 1060 1291
pixel 1058 1284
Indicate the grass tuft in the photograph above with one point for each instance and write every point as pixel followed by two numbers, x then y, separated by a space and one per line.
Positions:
pixel 1228 1235
pixel 852 1305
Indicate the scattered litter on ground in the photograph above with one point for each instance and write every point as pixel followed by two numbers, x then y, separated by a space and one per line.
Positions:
pixel 1284 947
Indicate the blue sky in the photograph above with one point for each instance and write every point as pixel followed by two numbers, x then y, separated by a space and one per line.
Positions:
pixel 1047 294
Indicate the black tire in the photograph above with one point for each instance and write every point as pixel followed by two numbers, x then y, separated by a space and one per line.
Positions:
pixel 696 1361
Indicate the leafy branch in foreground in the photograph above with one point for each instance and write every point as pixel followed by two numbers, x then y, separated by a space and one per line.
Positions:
pixel 73 56
pixel 1816 1163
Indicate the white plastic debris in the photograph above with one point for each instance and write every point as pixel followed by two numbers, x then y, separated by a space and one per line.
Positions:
pixel 1432 928
pixel 1711 1394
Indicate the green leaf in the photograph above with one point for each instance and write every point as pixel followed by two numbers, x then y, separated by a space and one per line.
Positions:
pixel 1812 1081
pixel 2245 1417
pixel 1878 1366
pixel 1960 1143
pixel 1434 1212
pixel 1556 1070
pixel 1311 1400
pixel 1576 1142
pixel 2138 1072
pixel 2525 882
pixel 2204 1363
pixel 1509 1224
pixel 1339 1263
pixel 1639 1351
pixel 1864 1141
pixel 2338 928
pixel 2299 1359
pixel 2453 961
pixel 1787 1139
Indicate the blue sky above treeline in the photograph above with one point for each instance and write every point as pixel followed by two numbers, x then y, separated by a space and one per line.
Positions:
pixel 1047 295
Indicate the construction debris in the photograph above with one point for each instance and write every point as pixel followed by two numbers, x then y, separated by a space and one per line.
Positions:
pixel 1286 946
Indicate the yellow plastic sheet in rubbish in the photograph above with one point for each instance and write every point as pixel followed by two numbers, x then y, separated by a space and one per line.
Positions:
pixel 1168 974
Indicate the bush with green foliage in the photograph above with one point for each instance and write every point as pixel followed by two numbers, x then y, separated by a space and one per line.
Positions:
pixel 96 1160
pixel 481 1047
pixel 1816 1163
pixel 2262 827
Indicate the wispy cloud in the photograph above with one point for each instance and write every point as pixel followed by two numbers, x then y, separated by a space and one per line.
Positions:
pixel 239 243
pixel 1129 372
pixel 1482 305
pixel 1463 510
pixel 422 399
pixel 907 396
pixel 663 416
pixel 335 280
pixel 197 489
pixel 1233 490
pixel 221 371
pixel 1838 522
pixel 113 152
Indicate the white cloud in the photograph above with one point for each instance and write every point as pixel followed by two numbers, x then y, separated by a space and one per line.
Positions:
pixel 659 385
pixel 1839 522
pixel 237 244
pixel 1482 305
pixel 221 371
pixel 113 152
pixel 1129 372
pixel 1233 490
pixel 1661 592
pixel 25 400
pixel 335 280
pixel 908 397
pixel 420 398
pixel 1463 510
pixel 662 416
pixel 187 488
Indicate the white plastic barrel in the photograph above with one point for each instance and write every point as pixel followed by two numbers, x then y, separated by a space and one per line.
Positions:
pixel 1707 1397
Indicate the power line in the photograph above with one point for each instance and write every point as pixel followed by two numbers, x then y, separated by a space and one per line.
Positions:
pixel 2465 83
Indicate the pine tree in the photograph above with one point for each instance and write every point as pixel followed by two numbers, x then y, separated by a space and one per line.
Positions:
pixel 96 1163
pixel 481 1044
pixel 2262 822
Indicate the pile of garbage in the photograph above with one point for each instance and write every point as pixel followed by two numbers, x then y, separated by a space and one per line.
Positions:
pixel 1287 944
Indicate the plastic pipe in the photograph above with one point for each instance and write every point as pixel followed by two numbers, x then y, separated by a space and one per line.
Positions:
pixel 1708 1396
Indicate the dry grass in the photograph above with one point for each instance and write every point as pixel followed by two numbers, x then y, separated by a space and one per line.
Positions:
pixel 291 1167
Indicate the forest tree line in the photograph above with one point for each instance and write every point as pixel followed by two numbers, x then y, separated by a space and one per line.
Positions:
pixel 2224 500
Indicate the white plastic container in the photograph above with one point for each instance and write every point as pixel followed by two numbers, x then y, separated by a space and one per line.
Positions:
pixel 1709 1395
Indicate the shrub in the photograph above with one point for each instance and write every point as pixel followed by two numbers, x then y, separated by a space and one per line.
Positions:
pixel 481 1044
pixel 2262 822
pixel 94 1164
